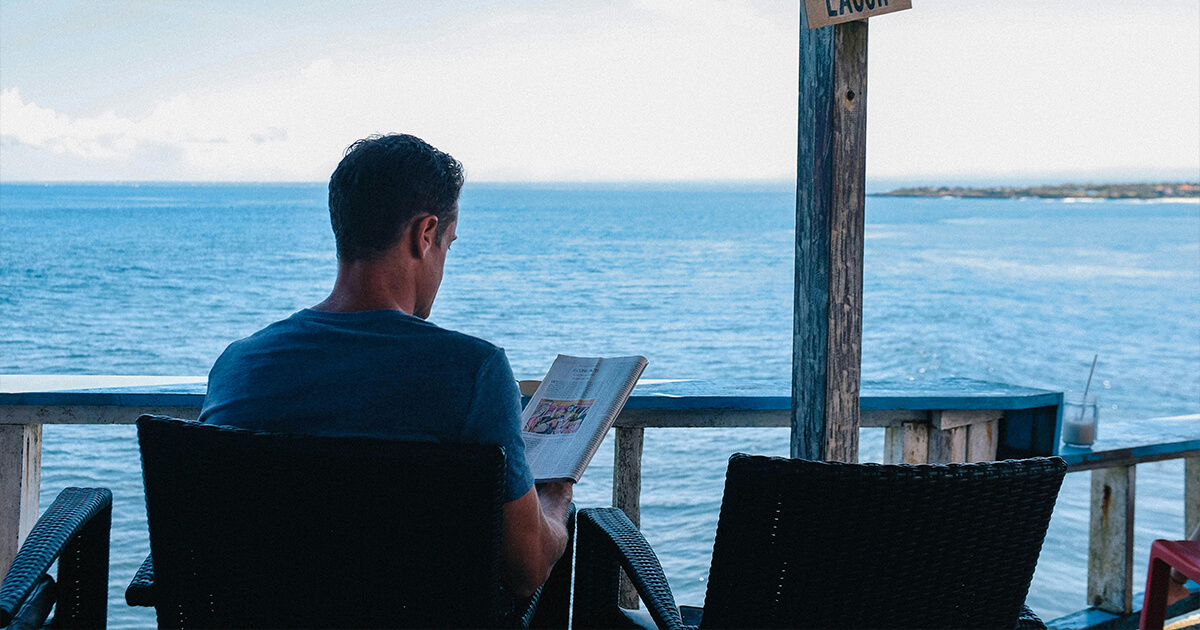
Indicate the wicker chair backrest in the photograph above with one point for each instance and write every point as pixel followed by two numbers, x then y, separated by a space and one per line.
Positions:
pixel 804 544
pixel 251 529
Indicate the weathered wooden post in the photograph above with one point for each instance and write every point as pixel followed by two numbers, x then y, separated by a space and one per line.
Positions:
pixel 627 492
pixel 830 198
pixel 627 472
pixel 1110 539
pixel 1191 494
pixel 20 482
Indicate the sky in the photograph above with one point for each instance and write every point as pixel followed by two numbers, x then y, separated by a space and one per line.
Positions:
pixel 959 91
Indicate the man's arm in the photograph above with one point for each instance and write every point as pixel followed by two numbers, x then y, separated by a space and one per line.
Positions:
pixel 535 536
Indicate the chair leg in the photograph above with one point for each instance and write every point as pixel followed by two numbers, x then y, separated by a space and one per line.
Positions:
pixel 1154 606
pixel 83 576
pixel 1183 555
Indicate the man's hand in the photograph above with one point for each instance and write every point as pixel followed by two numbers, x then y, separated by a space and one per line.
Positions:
pixel 555 497
pixel 535 535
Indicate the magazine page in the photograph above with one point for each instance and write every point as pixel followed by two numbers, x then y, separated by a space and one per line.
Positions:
pixel 572 409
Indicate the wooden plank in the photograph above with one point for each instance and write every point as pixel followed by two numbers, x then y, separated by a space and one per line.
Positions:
pixel 914 440
pixel 831 167
pixel 88 414
pixel 891 417
pixel 1110 539
pixel 844 357
pixel 627 490
pixel 671 418
pixel 952 418
pixel 893 445
pixel 627 471
pixel 906 444
pixel 982 440
pixel 953 393
pixel 712 418
pixel 1129 457
pixel 814 184
pixel 947 446
pixel 1191 495
pixel 188 391
pixel 26 383
pixel 827 12
pixel 704 418
pixel 20 483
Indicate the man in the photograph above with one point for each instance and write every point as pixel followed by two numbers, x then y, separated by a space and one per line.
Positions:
pixel 366 362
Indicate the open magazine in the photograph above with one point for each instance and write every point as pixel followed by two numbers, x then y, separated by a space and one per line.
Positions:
pixel 571 411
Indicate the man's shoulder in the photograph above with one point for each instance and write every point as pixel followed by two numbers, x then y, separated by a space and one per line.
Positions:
pixel 381 330
pixel 481 349
pixel 458 347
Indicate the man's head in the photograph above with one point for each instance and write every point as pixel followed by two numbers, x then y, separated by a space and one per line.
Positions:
pixel 393 202
pixel 383 184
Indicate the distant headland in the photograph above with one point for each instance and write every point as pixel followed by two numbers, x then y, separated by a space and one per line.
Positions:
pixel 1166 190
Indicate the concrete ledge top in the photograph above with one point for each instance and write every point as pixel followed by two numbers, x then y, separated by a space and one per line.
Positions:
pixel 188 391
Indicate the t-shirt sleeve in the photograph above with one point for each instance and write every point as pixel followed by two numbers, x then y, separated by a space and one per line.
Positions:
pixel 495 418
pixel 220 379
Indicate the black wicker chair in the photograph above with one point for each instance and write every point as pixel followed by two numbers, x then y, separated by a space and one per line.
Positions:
pixel 262 530
pixel 74 530
pixel 804 544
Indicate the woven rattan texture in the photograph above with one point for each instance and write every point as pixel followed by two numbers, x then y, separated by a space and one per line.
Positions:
pixel 141 588
pixel 1029 621
pixel 74 529
pixel 549 607
pixel 37 606
pixel 804 544
pixel 252 529
pixel 607 542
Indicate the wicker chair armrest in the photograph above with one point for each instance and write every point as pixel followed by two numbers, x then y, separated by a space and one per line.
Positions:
pixel 140 591
pixel 1029 621
pixel 76 527
pixel 32 615
pixel 608 541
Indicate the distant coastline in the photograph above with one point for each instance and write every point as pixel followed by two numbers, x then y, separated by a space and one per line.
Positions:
pixel 1164 190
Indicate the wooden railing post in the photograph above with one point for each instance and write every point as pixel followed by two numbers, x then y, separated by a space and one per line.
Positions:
pixel 948 436
pixel 1191 494
pixel 20 482
pixel 1110 539
pixel 627 490
pixel 907 443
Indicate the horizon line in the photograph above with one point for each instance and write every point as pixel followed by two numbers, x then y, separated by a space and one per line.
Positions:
pixel 906 182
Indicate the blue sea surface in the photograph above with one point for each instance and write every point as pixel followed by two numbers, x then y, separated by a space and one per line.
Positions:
pixel 157 279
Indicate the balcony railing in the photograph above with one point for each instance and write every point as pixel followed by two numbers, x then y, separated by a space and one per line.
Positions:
pixel 950 420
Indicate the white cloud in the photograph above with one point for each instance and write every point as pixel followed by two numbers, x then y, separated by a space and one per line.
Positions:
pixel 628 93
pixel 102 138
pixel 654 90
pixel 210 138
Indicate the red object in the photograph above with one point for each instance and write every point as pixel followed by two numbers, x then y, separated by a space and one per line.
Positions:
pixel 1184 556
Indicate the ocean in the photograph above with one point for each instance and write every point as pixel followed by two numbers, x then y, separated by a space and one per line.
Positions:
pixel 157 279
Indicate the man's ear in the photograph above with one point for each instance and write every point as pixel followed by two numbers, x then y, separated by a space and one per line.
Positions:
pixel 423 235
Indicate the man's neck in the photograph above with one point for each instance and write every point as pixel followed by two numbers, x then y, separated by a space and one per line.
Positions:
pixel 368 286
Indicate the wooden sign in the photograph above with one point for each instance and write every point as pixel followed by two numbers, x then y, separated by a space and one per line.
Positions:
pixel 826 12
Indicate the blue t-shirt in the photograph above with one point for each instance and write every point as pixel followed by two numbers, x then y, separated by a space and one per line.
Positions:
pixel 379 373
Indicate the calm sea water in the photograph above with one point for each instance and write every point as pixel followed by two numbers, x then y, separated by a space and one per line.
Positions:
pixel 157 279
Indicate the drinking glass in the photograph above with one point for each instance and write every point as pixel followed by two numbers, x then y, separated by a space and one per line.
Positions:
pixel 1080 419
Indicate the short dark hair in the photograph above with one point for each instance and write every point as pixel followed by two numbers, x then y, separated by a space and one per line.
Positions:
pixel 381 185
